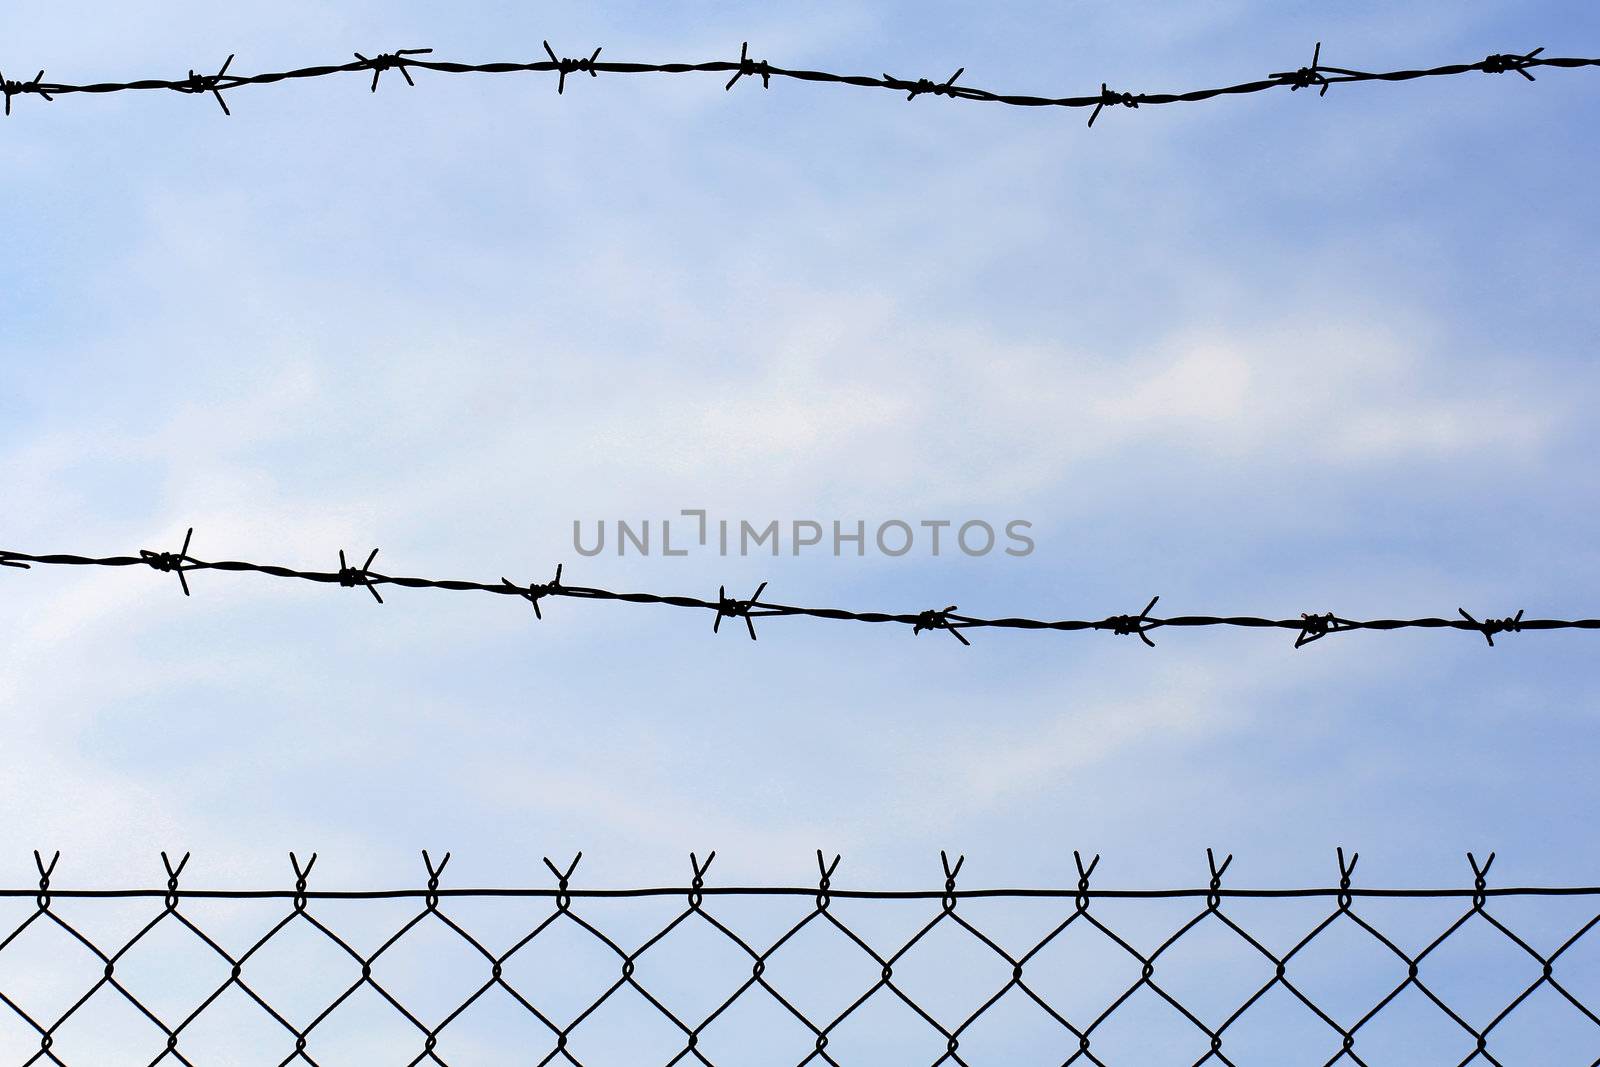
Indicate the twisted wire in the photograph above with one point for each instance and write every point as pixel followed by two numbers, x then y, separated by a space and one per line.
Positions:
pixel 1309 627
pixel 406 60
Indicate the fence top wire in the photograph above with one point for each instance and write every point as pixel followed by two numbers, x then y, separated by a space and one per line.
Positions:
pixel 1081 1028
pixel 1308 628
pixel 405 60
pixel 563 889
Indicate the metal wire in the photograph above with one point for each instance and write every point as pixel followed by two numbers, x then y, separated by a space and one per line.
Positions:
pixel 406 60
pixel 755 981
pixel 1309 627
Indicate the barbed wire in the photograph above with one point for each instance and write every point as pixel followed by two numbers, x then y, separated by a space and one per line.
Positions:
pixel 1309 627
pixel 405 60
pixel 763 971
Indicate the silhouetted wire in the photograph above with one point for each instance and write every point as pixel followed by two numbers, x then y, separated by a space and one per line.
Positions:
pixel 1556 970
pixel 406 60
pixel 1309 627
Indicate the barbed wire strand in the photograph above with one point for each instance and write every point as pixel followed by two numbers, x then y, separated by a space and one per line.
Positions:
pixel 1557 970
pixel 406 60
pixel 1309 627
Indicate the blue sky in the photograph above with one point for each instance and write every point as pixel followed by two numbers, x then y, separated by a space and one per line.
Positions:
pixel 1265 355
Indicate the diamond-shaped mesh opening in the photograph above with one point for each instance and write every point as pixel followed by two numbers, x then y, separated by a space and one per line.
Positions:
pixel 171 970
pixel 884 1032
pixel 1279 1031
pixel 1146 1029
pixel 1545 1028
pixel 1015 1030
pixel 299 972
pixel 624 1031
pixel 1345 971
pixel 563 970
pixel 495 1031
pixel 110 924
pixel 950 972
pixel 1280 923
pixel 1212 971
pixel 44 969
pixel 1478 971
pixel 1412 1029
pixel 1015 924
pixel 821 971
pixel 364 1029
pixel 234 1031
pixel 364 925
pixel 108 1030
pixel 1081 972
pixel 1544 922
pixel 756 1030
pixel 431 969
pixel 886 930
pixel 693 970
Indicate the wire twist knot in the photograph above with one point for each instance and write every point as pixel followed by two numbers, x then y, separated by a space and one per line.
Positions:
pixel 1123 625
pixel 948 902
pixel 1214 898
pixel 15 88
pixel 1490 627
pixel 571 66
pixel 350 577
pixel 926 85
pixel 1111 98
pixel 178 561
pixel 1306 77
pixel 395 60
pixel 1480 879
pixel 207 83
pixel 432 899
pixel 537 590
pixel 45 871
pixel 731 608
pixel 1500 64
pixel 300 876
pixel 938 620
pixel 825 881
pixel 748 68
pixel 1314 627
pixel 1081 901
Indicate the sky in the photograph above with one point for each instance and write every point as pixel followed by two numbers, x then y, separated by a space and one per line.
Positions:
pixel 1264 355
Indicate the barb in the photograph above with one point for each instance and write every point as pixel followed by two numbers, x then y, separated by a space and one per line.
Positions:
pixel 537 591
pixel 1490 627
pixel 209 83
pixel 924 85
pixel 1500 64
pixel 939 620
pixel 728 608
pixel 747 68
pixel 14 88
pixel 178 561
pixel 1306 77
pixel 1316 627
pixel 571 66
pixel 1123 625
pixel 1108 98
pixel 405 60
pixel 1307 627
pixel 350 577
pixel 391 61
pixel 902 971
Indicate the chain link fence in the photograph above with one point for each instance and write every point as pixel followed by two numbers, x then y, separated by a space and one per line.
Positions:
pixel 818 974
